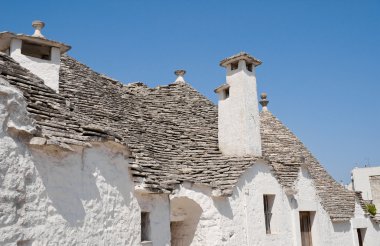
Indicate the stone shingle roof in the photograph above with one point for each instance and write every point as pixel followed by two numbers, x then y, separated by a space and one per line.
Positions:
pixel 171 131
pixel 53 113
pixel 287 154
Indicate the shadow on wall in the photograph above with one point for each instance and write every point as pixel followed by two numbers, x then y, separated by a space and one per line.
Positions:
pixel 376 225
pixel 247 178
pixel 342 227
pixel 74 180
pixel 224 207
pixel 185 215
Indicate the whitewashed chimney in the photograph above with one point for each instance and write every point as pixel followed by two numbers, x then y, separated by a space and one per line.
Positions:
pixel 36 53
pixel 238 111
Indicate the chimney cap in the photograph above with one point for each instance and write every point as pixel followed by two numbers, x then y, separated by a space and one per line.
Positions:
pixel 38 26
pixel 38 23
pixel 240 56
pixel 264 102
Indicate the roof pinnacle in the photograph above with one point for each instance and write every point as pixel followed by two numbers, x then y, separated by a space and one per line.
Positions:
pixel 38 26
pixel 180 75
pixel 264 102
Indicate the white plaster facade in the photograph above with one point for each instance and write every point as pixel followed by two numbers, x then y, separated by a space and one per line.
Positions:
pixel 48 70
pixel 239 219
pixel 361 180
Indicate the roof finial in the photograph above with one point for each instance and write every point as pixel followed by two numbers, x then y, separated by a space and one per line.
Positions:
pixel 38 25
pixel 264 102
pixel 180 73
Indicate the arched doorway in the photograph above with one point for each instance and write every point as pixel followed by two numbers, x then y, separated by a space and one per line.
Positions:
pixel 184 218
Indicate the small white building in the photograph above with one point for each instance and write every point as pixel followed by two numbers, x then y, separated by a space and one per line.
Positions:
pixel 87 160
pixel 366 180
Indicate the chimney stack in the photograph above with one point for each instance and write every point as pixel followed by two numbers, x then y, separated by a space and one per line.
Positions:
pixel 238 111
pixel 36 53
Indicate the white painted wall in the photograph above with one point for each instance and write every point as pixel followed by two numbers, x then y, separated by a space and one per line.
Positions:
pixel 372 230
pixel 360 178
pixel 324 232
pixel 158 207
pixel 238 115
pixel 83 197
pixel 51 197
pixel 239 220
pixel 48 70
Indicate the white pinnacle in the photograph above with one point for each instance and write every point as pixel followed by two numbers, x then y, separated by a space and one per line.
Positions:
pixel 38 25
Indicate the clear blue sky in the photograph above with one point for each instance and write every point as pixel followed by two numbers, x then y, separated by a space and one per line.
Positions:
pixel 320 58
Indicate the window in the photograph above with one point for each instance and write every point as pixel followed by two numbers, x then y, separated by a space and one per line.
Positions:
pixel 234 65
pixel 145 227
pixel 226 93
pixel 249 66
pixel 34 50
pixel 268 204
pixel 361 233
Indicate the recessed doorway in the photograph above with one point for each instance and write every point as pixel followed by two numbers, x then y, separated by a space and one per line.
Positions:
pixel 305 226
pixel 185 215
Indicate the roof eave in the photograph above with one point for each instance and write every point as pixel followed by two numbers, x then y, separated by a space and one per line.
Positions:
pixel 5 38
pixel 221 88
pixel 240 56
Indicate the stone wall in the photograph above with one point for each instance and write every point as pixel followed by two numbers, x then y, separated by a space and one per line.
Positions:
pixel 375 190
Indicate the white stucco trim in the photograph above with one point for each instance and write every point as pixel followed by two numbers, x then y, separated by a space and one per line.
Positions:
pixel 47 70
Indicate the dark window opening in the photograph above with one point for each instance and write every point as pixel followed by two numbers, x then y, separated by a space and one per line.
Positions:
pixel 35 50
pixel 6 51
pixel 268 204
pixel 25 243
pixel 249 67
pixel 226 93
pixel 234 65
pixel 361 233
pixel 145 226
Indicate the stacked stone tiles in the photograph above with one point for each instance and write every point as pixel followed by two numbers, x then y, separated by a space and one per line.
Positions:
pixel 54 116
pixel 171 131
